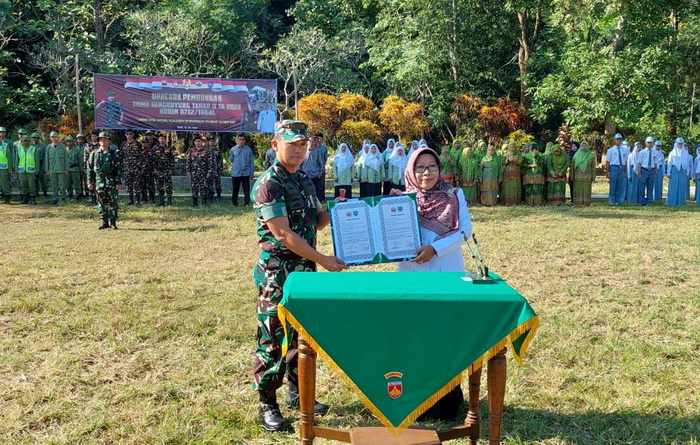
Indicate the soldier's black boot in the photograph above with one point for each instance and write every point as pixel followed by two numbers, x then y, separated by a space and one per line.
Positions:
pixel 292 401
pixel 7 199
pixel 131 199
pixel 105 224
pixel 32 200
pixel 162 201
pixel 270 416
pixel 113 223
pixel 94 200
pixel 195 202
pixel 46 194
pixel 170 200
pixel 205 202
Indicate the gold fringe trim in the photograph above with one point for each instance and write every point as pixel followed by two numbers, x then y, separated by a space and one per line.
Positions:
pixel 532 325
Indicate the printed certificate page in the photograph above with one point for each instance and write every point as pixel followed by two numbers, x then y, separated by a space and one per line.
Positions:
pixel 353 240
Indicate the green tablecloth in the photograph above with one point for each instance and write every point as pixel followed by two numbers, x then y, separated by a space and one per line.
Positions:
pixel 402 340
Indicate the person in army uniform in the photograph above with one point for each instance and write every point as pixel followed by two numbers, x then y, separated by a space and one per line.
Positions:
pixel 111 111
pixel 20 134
pixel 105 176
pixel 149 177
pixel 40 172
pixel 199 169
pixel 87 150
pixel 74 159
pixel 164 162
pixel 288 216
pixel 26 169
pixel 80 142
pixel 218 159
pixel 131 151
pixel 56 165
pixel 7 165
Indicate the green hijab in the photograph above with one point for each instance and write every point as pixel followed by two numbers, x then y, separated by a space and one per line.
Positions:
pixel 582 156
pixel 468 164
pixel 560 161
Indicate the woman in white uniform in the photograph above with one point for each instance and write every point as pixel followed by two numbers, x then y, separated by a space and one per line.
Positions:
pixel 443 215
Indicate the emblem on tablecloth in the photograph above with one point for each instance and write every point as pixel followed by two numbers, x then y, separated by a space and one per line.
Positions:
pixel 394 387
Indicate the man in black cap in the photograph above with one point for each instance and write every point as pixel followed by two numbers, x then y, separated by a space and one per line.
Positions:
pixel 131 159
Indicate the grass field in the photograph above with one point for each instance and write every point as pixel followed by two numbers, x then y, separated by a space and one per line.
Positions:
pixel 145 335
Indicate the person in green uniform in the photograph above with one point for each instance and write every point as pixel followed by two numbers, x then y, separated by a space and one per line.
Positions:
pixel 74 159
pixel 288 216
pixel 373 169
pixel 20 134
pixel 105 176
pixel 490 176
pixel 512 181
pixel 56 165
pixel 397 167
pixel 7 165
pixel 361 170
pixel 447 164
pixel 557 165
pixel 533 177
pixel 26 169
pixel 582 170
pixel 468 174
pixel 343 170
pixel 40 176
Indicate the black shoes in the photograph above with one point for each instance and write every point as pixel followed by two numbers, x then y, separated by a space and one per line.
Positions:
pixel 170 200
pixel 292 401
pixel 113 223
pixel 270 416
pixel 195 202
pixel 105 225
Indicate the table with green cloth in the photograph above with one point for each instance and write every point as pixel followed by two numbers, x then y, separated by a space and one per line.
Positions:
pixel 402 340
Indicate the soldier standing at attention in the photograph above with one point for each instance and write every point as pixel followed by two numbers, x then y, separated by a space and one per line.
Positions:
pixel 131 159
pixel 164 163
pixel 26 168
pixel 75 157
pixel 218 160
pixel 199 168
pixel 7 156
pixel 87 150
pixel 56 164
pixel 149 177
pixel 288 216
pixel 105 178
pixel 80 142
pixel 40 172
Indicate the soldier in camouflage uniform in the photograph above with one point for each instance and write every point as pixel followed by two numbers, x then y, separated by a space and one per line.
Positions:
pixel 131 151
pixel 88 148
pixel 199 169
pixel 164 163
pixel 218 159
pixel 105 177
pixel 149 176
pixel 287 209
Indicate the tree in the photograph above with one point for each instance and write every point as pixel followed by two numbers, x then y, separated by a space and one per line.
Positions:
pixel 402 118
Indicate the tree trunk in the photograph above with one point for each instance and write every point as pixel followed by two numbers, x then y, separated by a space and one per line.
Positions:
pixel 523 57
pixel 99 25
pixel 453 45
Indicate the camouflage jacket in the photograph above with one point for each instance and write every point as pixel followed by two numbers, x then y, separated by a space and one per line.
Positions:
pixel 279 193
pixel 105 169
pixel 199 162
pixel 163 159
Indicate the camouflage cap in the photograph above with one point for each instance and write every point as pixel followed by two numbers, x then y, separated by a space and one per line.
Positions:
pixel 36 134
pixel 26 138
pixel 22 131
pixel 104 134
pixel 54 134
pixel 3 130
pixel 69 139
pixel 291 130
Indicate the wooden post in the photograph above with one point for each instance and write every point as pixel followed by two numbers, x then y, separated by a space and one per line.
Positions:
pixel 77 90
pixel 473 417
pixel 497 391
pixel 307 391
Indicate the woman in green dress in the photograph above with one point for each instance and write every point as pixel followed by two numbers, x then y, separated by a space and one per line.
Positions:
pixel 583 172
pixel 447 165
pixel 512 182
pixel 533 177
pixel 343 170
pixel 373 170
pixel 489 178
pixel 557 165
pixel 468 174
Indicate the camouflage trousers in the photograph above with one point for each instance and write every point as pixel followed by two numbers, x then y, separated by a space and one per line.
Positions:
pixel 131 180
pixel 107 202
pixel 217 184
pixel 164 184
pixel 199 185
pixel 269 366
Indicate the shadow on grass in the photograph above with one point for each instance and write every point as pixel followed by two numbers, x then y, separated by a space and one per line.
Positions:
pixel 526 426
pixel 179 229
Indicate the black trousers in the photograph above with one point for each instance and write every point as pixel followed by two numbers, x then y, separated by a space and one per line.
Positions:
pixel 386 188
pixel 347 188
pixel 320 186
pixel 237 182
pixel 397 187
pixel 374 189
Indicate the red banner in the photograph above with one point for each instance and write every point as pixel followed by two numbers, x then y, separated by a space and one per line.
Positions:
pixel 185 103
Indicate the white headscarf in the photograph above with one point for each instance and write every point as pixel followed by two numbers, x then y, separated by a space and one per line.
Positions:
pixel 372 160
pixel 362 154
pixel 343 161
pixel 675 158
pixel 414 146
pixel 388 151
pixel 399 161
pixel 422 143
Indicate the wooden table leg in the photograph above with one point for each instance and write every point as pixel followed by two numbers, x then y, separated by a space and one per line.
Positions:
pixel 497 391
pixel 307 391
pixel 473 417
